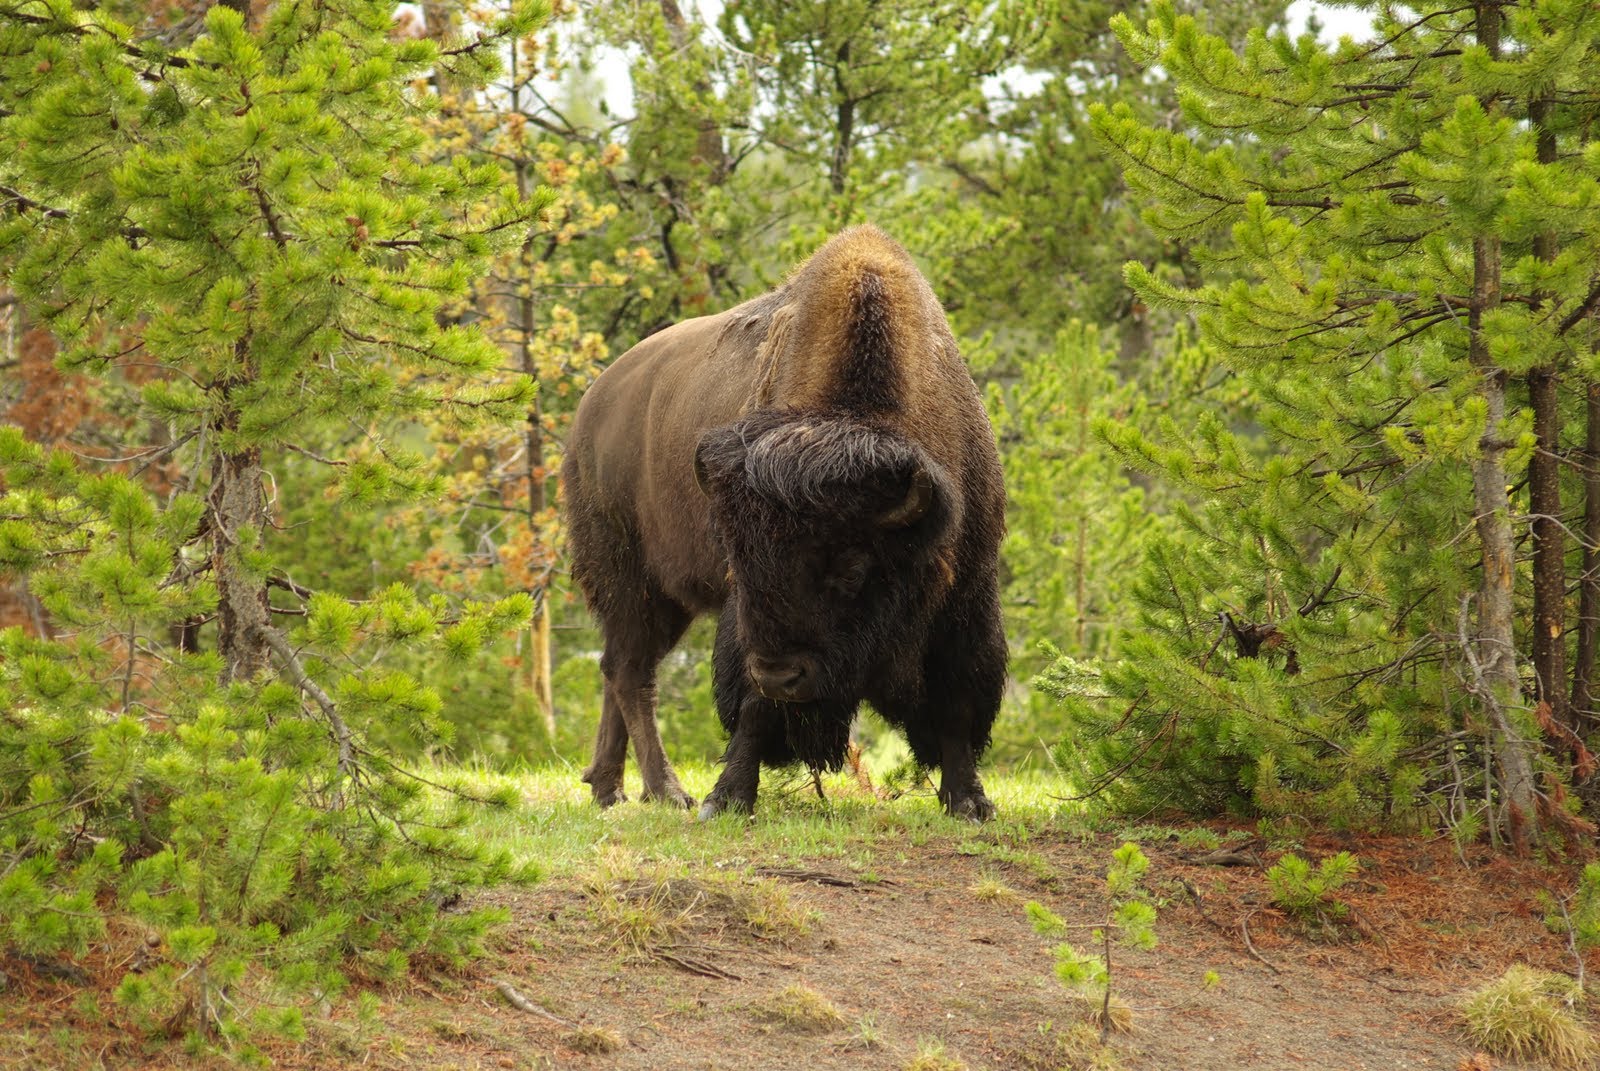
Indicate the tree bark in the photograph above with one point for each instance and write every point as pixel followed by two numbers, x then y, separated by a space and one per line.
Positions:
pixel 1544 490
pixel 238 516
pixel 844 133
pixel 539 656
pixel 1134 337
pixel 1589 582
pixel 709 145
pixel 1495 660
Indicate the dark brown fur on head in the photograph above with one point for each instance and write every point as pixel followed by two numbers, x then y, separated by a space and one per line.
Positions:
pixel 819 464
pixel 830 526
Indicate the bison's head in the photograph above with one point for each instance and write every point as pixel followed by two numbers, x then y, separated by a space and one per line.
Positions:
pixel 829 525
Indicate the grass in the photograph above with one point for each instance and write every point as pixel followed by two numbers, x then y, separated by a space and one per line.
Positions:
pixel 1526 1014
pixel 1114 1015
pixel 592 1040
pixel 866 1035
pixel 555 829
pixel 1028 862
pixel 1082 1050
pixel 991 890
pixel 798 1008
pixel 643 908
pixel 932 1056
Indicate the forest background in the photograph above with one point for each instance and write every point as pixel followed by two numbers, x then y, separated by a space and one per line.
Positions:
pixel 1290 347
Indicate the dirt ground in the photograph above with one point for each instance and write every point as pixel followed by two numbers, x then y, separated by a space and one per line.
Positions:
pixel 931 953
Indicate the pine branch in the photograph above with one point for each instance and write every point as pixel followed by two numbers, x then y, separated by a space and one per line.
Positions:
pixel 290 586
pixel 1589 305
pixel 297 673
pixel 11 196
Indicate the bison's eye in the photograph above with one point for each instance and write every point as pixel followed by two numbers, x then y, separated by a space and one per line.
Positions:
pixel 849 572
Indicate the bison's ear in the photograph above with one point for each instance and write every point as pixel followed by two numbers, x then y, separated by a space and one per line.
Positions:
pixel 919 497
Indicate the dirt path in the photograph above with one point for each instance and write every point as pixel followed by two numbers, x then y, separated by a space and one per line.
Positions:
pixel 933 949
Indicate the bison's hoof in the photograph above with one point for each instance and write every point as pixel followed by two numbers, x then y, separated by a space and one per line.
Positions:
pixel 976 807
pixel 716 805
pixel 609 797
pixel 672 796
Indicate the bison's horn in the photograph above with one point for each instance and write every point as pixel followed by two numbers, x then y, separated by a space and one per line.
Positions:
pixel 919 496
pixel 702 478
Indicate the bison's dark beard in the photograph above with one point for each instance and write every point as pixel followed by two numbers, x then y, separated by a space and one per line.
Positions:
pixel 818 733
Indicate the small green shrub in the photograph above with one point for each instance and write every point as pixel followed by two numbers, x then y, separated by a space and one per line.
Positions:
pixel 1199 839
pixel 991 890
pixel 1131 919
pixel 1579 912
pixel 1307 893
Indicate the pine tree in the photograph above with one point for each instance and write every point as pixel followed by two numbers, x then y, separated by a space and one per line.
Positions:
pixel 546 302
pixel 1037 217
pixel 1414 238
pixel 248 222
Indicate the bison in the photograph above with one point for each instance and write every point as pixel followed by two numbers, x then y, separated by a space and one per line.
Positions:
pixel 815 467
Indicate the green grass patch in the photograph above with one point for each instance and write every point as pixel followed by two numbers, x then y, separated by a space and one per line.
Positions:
pixel 552 826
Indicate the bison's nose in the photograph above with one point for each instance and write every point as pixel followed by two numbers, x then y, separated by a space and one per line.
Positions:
pixel 790 679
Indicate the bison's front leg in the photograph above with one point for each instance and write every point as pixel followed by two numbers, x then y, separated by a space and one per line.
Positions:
pixel 749 719
pixel 735 790
pixel 965 674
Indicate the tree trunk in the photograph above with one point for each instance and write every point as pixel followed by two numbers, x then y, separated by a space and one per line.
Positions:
pixel 1134 338
pixel 238 516
pixel 1589 583
pixel 539 662
pixel 1544 490
pixel 1549 546
pixel 1080 556
pixel 844 134
pixel 1495 660
pixel 252 10
pixel 708 142
pixel 539 667
pixel 539 676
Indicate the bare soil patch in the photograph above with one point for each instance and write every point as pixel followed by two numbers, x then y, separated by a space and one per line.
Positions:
pixel 821 966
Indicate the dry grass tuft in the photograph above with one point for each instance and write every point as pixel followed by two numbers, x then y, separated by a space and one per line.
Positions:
pixel 800 1008
pixel 991 890
pixel 1113 1015
pixel 645 909
pixel 866 1035
pixel 766 908
pixel 1526 1014
pixel 931 1056
pixel 592 1040
pixel 1082 1050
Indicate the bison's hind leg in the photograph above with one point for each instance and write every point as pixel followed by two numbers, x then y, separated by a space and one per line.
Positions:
pixel 640 624
pixel 604 775
pixel 629 663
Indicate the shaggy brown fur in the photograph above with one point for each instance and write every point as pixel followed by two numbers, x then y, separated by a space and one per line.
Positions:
pixel 845 525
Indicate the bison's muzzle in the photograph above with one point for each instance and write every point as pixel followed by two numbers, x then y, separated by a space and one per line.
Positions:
pixel 790 679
